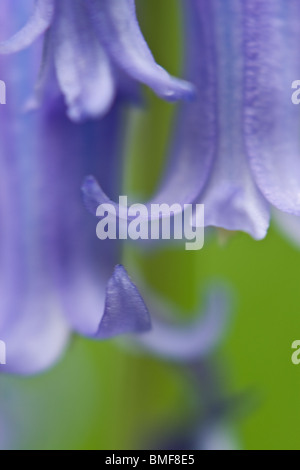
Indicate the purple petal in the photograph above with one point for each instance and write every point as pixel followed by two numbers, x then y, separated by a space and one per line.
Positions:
pixel 36 26
pixel 192 340
pixel 117 27
pixel 125 311
pixel 83 69
pixel 194 146
pixel 209 164
pixel 289 226
pixel 31 318
pixel 94 195
pixel 194 142
pixel 231 198
pixel 37 338
pixel 83 264
pixel 272 35
pixel 32 322
pixel 208 161
pixel 53 269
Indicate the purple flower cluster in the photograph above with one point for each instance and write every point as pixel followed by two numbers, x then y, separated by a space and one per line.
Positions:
pixel 236 149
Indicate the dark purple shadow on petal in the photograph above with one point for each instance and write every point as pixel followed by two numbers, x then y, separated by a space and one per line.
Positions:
pixel 80 262
pixel 125 311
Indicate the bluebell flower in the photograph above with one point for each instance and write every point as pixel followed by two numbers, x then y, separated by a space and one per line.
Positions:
pixel 238 145
pixel 95 47
pixel 56 277
pixel 30 322
pixel 236 148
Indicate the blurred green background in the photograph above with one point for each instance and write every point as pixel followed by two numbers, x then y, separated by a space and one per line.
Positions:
pixel 101 395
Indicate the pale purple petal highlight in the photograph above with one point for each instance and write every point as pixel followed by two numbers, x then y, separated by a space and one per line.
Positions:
pixel 272 121
pixel 83 69
pixel 231 197
pixel 289 226
pixel 38 338
pixel 36 26
pixel 190 340
pixel 118 29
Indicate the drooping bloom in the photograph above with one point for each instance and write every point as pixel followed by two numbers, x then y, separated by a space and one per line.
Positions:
pixel 247 155
pixel 237 146
pixel 252 157
pixel 50 264
pixel 56 277
pixel 30 322
pixel 95 48
pixel 51 267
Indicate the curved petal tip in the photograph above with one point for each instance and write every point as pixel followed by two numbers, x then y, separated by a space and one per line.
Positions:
pixel 196 339
pixel 125 311
pixel 35 27
pixel 93 194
